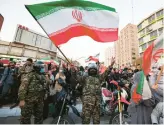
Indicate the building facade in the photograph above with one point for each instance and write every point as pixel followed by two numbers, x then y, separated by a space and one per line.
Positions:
pixel 16 49
pixel 117 52
pixel 109 53
pixel 149 29
pixel 127 48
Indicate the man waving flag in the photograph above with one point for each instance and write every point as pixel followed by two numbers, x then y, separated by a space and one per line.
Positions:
pixel 65 19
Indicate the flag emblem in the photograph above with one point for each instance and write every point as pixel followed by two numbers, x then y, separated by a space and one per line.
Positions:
pixel 77 15
pixel 158 54
pixel 82 18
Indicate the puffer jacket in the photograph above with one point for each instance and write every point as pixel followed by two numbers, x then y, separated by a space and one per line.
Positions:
pixel 157 114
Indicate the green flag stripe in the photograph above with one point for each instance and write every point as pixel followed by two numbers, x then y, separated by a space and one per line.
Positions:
pixel 49 7
pixel 141 83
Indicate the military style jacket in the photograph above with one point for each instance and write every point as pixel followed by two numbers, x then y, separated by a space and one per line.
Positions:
pixel 91 85
pixel 33 84
pixel 23 71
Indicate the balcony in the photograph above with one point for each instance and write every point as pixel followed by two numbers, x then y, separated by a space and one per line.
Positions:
pixel 153 38
pixel 153 21
pixel 142 35
pixel 160 17
pixel 141 43
pixel 140 29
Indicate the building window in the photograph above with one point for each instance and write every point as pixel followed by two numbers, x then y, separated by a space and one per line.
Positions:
pixel 19 33
pixel 133 44
pixel 132 31
pixel 144 47
pixel 139 26
pixel 149 29
pixel 160 22
pixel 38 41
pixel 133 58
pixel 133 54
pixel 142 32
pixel 151 19
pixel 153 34
pixel 133 49
pixel 159 14
pixel 160 31
pixel 141 41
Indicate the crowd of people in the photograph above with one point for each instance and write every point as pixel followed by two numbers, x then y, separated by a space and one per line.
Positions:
pixel 34 86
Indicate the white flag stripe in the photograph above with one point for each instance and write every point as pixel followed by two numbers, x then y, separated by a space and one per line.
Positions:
pixel 146 90
pixel 98 18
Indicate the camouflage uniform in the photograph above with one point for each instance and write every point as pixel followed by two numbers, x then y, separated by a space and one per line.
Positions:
pixel 91 100
pixel 32 92
pixel 91 96
pixel 24 71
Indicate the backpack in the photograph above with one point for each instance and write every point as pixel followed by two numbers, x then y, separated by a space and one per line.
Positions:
pixel 36 83
pixel 92 86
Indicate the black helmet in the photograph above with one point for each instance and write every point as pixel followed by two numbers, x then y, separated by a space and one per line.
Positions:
pixel 92 69
pixel 37 67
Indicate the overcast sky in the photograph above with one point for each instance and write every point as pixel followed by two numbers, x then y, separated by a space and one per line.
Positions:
pixel 15 13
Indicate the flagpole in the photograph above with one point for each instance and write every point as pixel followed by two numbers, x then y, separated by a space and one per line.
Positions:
pixel 132 12
pixel 57 46
pixel 48 36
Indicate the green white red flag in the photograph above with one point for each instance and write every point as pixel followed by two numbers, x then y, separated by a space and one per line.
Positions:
pixel 65 19
pixel 142 90
pixel 93 58
pixel 152 54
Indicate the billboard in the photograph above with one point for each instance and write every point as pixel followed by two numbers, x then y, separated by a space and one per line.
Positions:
pixel 26 36
pixel 1 21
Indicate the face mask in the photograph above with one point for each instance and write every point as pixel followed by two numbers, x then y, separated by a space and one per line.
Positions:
pixel 42 70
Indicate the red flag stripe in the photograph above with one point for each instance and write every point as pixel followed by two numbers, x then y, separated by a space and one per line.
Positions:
pixel 101 35
pixel 147 57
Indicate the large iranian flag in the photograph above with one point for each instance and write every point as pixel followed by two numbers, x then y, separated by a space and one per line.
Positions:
pixel 65 19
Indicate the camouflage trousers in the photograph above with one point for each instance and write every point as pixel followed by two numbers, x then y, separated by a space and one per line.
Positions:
pixel 32 107
pixel 91 109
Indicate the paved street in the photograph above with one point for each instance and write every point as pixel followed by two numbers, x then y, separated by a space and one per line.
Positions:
pixel 11 116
